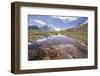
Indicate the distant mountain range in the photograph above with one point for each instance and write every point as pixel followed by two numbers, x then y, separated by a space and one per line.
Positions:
pixel 51 28
pixel 44 28
pixel 82 28
pixel 35 27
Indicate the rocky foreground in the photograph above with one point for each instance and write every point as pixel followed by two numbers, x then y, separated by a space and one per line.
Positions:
pixel 57 47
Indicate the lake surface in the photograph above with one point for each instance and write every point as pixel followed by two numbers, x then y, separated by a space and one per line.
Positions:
pixel 56 47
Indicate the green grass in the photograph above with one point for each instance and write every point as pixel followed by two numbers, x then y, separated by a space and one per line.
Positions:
pixel 34 35
pixel 80 36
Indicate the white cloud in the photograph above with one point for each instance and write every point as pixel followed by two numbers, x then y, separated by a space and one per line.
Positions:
pixel 66 19
pixel 86 22
pixel 40 21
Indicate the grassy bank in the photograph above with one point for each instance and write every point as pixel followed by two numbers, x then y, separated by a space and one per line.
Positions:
pixel 80 36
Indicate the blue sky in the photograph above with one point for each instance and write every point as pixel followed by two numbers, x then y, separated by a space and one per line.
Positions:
pixel 59 22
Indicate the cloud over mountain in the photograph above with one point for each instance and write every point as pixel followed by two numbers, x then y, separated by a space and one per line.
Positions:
pixel 40 21
pixel 56 22
pixel 66 19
